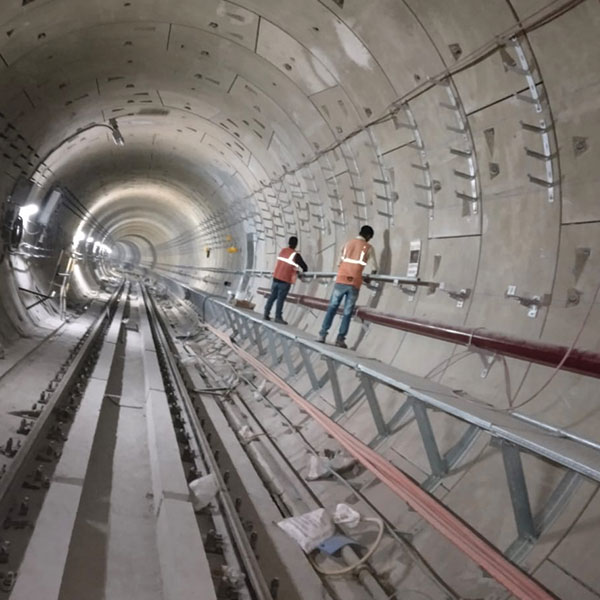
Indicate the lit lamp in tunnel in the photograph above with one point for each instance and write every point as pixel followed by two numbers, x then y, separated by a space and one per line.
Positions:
pixel 26 212
pixel 232 248
pixel 90 243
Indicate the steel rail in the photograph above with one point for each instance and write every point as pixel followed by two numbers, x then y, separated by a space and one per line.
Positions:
pixel 441 518
pixel 307 276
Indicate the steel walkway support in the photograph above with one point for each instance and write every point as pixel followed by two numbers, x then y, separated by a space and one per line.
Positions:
pixel 419 396
pixel 442 519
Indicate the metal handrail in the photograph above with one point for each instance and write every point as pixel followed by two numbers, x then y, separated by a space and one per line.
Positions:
pixel 313 275
pixel 514 434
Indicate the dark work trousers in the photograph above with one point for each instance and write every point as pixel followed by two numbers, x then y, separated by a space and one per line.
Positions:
pixel 279 291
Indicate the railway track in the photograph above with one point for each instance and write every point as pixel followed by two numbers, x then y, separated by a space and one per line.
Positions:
pixel 32 454
pixel 119 433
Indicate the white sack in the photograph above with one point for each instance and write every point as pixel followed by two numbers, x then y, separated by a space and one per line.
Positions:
pixel 309 529
pixel 203 490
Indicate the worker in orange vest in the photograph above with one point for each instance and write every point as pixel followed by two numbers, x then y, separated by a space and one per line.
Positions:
pixel 288 263
pixel 356 254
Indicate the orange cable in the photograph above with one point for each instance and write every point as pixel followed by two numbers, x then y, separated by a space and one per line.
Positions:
pixel 452 527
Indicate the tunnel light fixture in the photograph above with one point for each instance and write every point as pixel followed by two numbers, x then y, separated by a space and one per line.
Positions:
pixel 78 237
pixel 116 133
pixel 27 211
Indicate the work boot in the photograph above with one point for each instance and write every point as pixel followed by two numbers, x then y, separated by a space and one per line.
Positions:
pixel 280 321
pixel 340 343
pixel 322 339
pixel 267 318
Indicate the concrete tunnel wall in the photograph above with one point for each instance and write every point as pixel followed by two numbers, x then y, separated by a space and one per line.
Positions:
pixel 470 126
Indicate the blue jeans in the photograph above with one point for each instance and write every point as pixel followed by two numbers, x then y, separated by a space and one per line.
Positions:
pixel 340 291
pixel 279 291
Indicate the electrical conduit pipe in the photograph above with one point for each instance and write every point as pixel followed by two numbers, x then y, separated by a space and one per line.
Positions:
pixel 582 362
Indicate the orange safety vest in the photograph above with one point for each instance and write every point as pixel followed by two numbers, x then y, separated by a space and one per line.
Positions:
pixel 285 268
pixel 354 260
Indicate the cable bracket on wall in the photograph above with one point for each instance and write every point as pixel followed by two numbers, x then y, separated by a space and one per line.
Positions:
pixel 459 295
pixel 533 303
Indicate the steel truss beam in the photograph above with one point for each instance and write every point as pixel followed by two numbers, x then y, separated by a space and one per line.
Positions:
pixel 512 435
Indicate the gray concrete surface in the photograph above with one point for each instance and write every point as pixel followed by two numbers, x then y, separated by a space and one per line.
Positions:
pixel 227 110
pixel 132 564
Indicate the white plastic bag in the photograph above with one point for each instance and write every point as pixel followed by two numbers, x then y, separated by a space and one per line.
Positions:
pixel 346 515
pixel 310 529
pixel 246 434
pixel 203 490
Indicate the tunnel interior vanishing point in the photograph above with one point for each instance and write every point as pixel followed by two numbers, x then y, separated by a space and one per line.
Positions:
pixel 155 157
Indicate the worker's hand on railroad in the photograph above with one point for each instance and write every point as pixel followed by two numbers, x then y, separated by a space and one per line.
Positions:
pixel 367 278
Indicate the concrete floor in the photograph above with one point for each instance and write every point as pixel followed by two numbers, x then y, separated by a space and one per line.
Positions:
pixel 113 552
pixel 133 569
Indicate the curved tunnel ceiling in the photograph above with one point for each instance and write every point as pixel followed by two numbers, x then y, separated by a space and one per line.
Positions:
pixel 234 95
pixel 469 126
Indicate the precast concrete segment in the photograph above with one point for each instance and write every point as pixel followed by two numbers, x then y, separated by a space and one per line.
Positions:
pixel 132 562
pixel 43 567
pixel 184 565
pixel 168 477
pixel 583 362
pixel 183 562
pixel 152 376
pixel 443 520
pixel 105 360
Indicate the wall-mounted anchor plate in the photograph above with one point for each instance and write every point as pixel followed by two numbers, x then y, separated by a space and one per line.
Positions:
pixel 488 360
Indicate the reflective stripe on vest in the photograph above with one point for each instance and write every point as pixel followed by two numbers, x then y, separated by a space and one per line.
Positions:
pixel 350 270
pixel 285 267
pixel 354 261
pixel 290 260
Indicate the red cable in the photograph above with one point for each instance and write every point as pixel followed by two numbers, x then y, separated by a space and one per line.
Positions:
pixel 435 513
